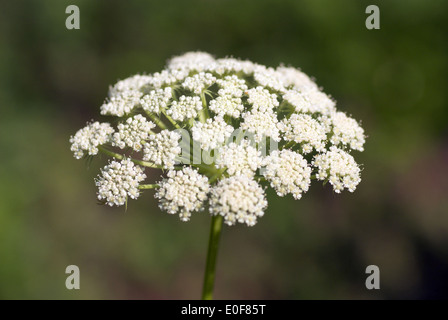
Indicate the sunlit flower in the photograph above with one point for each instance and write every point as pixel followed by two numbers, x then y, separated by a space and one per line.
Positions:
pixel 238 199
pixel 183 192
pixel 347 131
pixel 225 129
pixel 288 172
pixel 199 82
pixel 156 100
pixel 118 181
pixel 132 133
pixel 305 130
pixel 87 139
pixel 213 133
pixel 339 168
pixel 239 159
pixel 162 148
pixel 186 108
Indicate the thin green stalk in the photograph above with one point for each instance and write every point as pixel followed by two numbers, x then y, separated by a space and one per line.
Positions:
pixel 210 266
pixel 173 122
pixel 148 186
pixel 121 157
pixel 203 114
pixel 156 120
pixel 289 144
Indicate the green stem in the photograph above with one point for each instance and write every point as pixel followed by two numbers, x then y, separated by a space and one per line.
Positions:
pixel 289 144
pixel 203 114
pixel 213 245
pixel 121 157
pixel 173 122
pixel 148 186
pixel 156 120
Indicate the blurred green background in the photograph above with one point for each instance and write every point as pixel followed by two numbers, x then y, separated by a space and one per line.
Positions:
pixel 53 80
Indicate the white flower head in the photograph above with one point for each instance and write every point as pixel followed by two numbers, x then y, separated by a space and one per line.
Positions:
pixel 162 148
pixel 211 134
pixel 134 83
pixel 318 101
pixel 239 159
pixel 303 129
pixel 118 181
pixel 347 131
pixel 238 199
pixel 183 192
pixel 293 77
pixel 261 99
pixel 232 65
pixel 227 105
pixel 309 100
pixel 132 133
pixel 270 78
pixel 87 139
pixel 192 61
pixel 156 100
pixel 199 82
pixel 262 124
pixel 299 101
pixel 167 78
pixel 246 123
pixel 288 172
pixel 186 108
pixel 339 168
pixel 122 104
pixel 232 86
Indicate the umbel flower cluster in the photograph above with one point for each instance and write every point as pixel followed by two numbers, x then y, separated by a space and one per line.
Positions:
pixel 220 131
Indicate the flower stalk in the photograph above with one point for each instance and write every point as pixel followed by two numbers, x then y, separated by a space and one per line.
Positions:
pixel 212 253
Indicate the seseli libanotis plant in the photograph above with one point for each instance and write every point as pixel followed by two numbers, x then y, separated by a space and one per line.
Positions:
pixel 220 131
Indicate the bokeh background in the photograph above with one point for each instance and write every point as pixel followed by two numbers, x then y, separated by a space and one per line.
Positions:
pixel 53 80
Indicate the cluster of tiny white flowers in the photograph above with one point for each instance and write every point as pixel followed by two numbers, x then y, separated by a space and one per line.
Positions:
pixel 238 199
pixel 87 139
pixel 213 133
pixel 254 127
pixel 261 99
pixel 121 104
pixel 118 181
pixel 261 124
pixel 232 86
pixel 269 77
pixel 199 82
pixel 310 100
pixel 134 83
pixel 167 78
pixel 183 192
pixel 232 65
pixel 303 129
pixel 156 100
pixel 190 61
pixel 293 77
pixel 318 100
pixel 227 105
pixel 239 159
pixel 347 131
pixel 339 168
pixel 187 107
pixel 162 148
pixel 288 172
pixel 132 133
